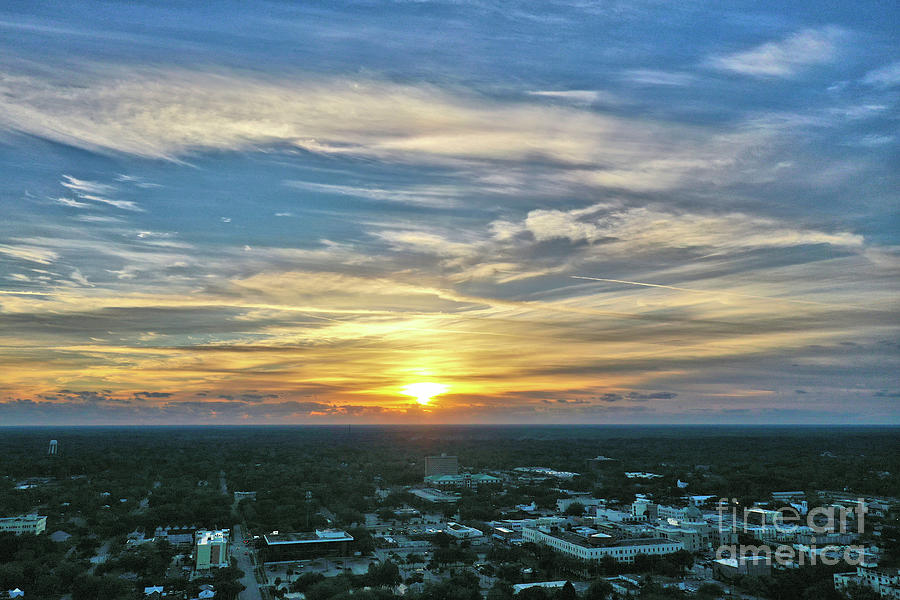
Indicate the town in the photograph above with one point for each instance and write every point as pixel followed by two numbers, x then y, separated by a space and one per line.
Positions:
pixel 293 523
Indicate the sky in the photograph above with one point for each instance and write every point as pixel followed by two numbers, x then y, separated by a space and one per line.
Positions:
pixel 549 212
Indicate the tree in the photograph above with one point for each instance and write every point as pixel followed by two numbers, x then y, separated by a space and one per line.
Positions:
pixel 600 590
pixel 567 592
pixel 608 565
pixel 576 509
pixel 502 590
pixel 643 563
pixel 683 560
pixel 859 592
pixel 229 590
pixel 386 574
pixel 709 591
pixel 89 587
pixel 463 586
pixel 533 593
pixel 386 514
pixel 305 581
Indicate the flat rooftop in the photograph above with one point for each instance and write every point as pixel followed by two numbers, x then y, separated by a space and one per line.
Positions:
pixel 733 562
pixel 21 518
pixel 433 495
pixel 209 537
pixel 580 540
pixel 308 537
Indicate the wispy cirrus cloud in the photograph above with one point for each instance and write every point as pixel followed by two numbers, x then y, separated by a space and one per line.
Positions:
pixel 786 57
pixel 421 195
pixel 884 77
pixel 578 97
pixel 95 192
pixel 172 113
pixel 658 77
pixel 29 253
pixel 648 228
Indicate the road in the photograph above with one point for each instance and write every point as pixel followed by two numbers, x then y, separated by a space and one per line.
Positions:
pixel 242 553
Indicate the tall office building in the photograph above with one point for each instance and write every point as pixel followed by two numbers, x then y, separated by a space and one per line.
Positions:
pixel 53 448
pixel 210 549
pixel 441 465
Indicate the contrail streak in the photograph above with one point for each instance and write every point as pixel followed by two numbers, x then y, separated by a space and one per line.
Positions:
pixel 696 291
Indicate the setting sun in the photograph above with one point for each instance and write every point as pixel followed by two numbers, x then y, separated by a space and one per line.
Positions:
pixel 424 392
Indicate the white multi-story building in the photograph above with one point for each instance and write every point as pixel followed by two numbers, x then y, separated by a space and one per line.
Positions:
pixel 884 582
pixel 677 513
pixel 517 525
pixel 30 524
pixel 599 545
pixel 462 532
pixel 693 538
pixel 616 516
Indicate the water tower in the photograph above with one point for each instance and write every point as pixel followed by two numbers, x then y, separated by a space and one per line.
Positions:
pixel 52 451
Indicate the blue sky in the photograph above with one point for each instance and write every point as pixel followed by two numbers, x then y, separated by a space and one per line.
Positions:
pixel 559 211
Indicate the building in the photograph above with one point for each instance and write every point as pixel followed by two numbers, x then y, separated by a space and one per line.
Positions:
pixel 546 472
pixel 238 496
pixel 753 566
pixel 518 525
pixel 60 536
pixel 763 517
pixel 692 539
pixel 597 546
pixel 563 504
pixel 627 586
pixel 466 480
pixel 547 585
pixel 441 465
pixel 643 509
pixel 788 496
pixel 611 515
pixel 505 534
pixel 54 448
pixel 641 475
pixel 677 513
pixel 882 581
pixel 307 544
pixel 211 549
pixel 433 495
pixel 724 535
pixel 30 524
pixel 177 536
pixel 462 532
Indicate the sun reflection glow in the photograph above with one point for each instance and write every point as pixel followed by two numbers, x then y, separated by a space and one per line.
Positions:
pixel 425 391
